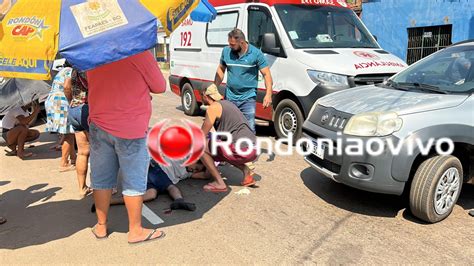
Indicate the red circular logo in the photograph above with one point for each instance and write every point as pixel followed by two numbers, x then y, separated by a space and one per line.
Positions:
pixel 367 55
pixel 176 142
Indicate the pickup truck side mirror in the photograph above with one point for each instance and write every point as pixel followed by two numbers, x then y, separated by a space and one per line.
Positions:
pixel 269 45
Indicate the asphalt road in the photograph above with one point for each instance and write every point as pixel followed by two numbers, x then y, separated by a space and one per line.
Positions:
pixel 294 216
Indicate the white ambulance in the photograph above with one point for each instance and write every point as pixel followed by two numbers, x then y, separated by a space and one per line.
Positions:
pixel 313 47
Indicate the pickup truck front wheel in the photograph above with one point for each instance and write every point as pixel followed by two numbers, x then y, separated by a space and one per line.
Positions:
pixel 435 188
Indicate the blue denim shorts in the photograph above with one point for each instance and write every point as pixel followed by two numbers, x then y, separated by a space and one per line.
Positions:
pixel 78 116
pixel 108 154
pixel 248 108
pixel 158 179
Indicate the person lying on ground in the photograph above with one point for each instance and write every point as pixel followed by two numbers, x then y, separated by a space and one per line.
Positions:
pixel 16 129
pixel 224 116
pixel 198 171
pixel 161 180
pixel 176 172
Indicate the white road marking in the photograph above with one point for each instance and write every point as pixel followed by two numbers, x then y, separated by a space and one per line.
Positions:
pixel 151 216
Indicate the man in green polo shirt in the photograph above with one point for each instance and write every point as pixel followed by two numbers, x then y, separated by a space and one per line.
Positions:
pixel 242 62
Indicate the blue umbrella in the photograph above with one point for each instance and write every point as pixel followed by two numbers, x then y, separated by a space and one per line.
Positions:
pixel 91 32
pixel 204 12
pixel 139 34
pixel 86 49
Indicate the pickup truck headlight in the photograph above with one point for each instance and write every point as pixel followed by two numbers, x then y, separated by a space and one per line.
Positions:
pixel 373 124
pixel 328 79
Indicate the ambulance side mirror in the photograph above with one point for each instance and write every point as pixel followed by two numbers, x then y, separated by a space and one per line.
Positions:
pixel 269 44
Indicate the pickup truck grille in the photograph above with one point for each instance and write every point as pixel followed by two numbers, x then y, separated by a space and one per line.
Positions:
pixel 333 167
pixel 329 118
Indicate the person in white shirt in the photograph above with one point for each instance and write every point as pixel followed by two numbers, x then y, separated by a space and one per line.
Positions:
pixel 16 131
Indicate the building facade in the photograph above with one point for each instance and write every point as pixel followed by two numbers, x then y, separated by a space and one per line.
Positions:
pixel 413 29
pixel 162 46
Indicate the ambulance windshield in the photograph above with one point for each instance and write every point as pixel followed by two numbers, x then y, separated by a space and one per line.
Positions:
pixel 324 27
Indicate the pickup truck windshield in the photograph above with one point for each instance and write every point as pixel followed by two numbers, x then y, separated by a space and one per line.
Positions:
pixel 323 27
pixel 450 70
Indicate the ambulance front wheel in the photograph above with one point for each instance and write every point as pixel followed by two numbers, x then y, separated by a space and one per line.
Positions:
pixel 188 100
pixel 288 119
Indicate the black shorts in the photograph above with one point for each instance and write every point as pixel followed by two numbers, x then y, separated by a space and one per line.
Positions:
pixel 157 178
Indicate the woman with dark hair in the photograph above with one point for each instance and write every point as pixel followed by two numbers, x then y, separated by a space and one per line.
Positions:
pixel 67 64
pixel 57 107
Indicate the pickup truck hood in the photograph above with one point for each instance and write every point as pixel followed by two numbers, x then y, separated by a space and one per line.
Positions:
pixel 377 99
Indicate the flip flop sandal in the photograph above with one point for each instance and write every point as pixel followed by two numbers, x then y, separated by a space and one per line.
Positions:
pixel 212 188
pixel 248 181
pixel 88 192
pixel 67 168
pixel 2 220
pixel 10 153
pixel 97 236
pixel 148 238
